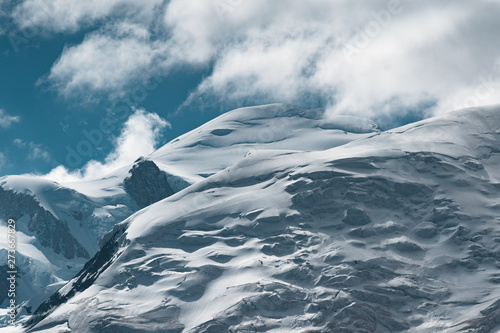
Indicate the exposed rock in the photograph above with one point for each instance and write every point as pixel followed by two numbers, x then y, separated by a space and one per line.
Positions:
pixel 90 272
pixel 146 183
pixel 49 231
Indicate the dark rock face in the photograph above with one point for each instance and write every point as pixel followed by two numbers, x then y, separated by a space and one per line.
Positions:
pixel 50 231
pixel 146 183
pixel 90 272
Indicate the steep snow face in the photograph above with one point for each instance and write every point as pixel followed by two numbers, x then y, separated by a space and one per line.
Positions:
pixel 58 228
pixel 49 231
pixel 87 217
pixel 57 232
pixel 395 232
pixel 61 224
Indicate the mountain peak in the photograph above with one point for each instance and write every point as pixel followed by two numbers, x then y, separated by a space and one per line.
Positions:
pixel 146 183
pixel 381 234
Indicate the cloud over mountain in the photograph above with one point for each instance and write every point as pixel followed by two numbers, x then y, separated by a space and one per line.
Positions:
pixel 371 58
pixel 140 135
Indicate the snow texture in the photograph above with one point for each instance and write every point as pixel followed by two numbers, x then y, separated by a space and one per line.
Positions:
pixel 394 231
pixel 59 225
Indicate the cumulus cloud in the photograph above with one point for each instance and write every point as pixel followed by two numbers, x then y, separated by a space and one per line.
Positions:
pixel 105 61
pixel 372 58
pixel 7 120
pixel 140 135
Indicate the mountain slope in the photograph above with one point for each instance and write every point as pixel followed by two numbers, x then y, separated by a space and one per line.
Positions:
pixel 394 232
pixel 221 142
pixel 59 225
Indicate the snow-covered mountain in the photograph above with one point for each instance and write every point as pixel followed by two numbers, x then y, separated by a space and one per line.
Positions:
pixel 386 231
pixel 59 224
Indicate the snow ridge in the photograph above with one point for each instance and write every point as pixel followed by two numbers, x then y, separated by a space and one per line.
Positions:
pixel 61 224
pixel 394 231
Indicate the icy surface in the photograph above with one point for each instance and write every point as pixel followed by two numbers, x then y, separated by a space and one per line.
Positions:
pixel 59 225
pixel 396 232
pixel 221 142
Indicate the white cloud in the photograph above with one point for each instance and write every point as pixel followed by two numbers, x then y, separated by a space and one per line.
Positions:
pixel 398 59
pixel 372 58
pixel 72 15
pixel 139 137
pixel 6 120
pixel 105 61
pixel 36 151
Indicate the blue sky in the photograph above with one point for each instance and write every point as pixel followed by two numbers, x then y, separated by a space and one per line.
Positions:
pixel 46 124
pixel 165 67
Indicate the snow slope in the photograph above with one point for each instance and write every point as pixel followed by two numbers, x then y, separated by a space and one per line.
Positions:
pixel 59 224
pixel 398 231
pixel 222 141
pixel 57 232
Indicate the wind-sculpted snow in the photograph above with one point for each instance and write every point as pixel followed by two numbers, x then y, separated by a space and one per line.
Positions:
pixel 223 141
pixel 396 232
pixel 61 223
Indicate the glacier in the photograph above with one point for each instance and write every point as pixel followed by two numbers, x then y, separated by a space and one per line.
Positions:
pixel 60 224
pixel 279 220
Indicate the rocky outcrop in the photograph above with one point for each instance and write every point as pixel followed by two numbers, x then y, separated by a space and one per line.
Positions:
pixel 49 231
pixel 90 272
pixel 146 183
